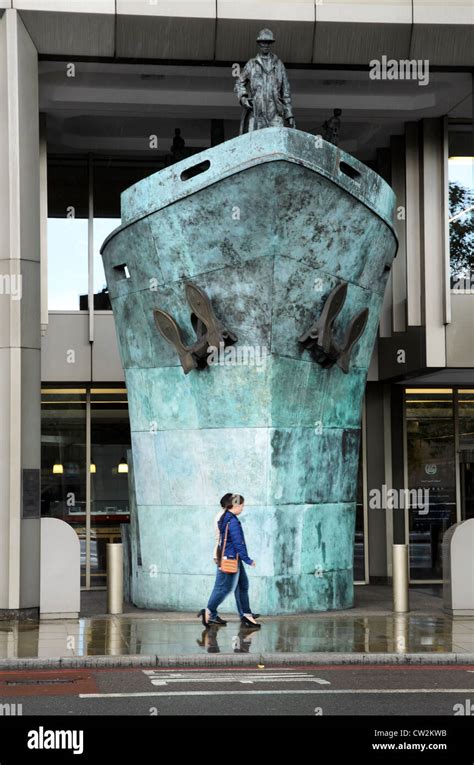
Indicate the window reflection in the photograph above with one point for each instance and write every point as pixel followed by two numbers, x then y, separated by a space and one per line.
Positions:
pixel 68 209
pixel 63 453
pixel 431 466
pixel 77 184
pixel 102 228
pixel 466 452
pixel 359 541
pixel 110 440
pixel 461 210
pixel 63 467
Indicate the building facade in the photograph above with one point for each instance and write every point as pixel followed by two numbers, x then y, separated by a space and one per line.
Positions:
pixel 97 95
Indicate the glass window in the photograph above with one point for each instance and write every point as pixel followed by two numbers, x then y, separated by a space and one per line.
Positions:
pixel 359 542
pixel 461 210
pixel 102 228
pixel 63 459
pixel 431 467
pixel 67 263
pixel 68 211
pixel 466 419
pixel 110 440
pixel 466 452
pixel 67 234
pixel 63 467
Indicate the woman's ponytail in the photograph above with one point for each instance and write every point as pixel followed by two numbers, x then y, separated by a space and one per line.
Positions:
pixel 231 500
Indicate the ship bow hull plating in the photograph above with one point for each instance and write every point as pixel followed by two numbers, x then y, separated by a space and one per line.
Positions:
pixel 271 231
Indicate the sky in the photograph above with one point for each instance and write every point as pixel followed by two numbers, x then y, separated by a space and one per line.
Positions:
pixel 461 169
pixel 67 260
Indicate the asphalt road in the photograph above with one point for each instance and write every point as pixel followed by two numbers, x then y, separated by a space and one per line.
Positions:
pixel 324 690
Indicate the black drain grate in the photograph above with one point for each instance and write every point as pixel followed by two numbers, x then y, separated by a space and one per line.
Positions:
pixel 54 681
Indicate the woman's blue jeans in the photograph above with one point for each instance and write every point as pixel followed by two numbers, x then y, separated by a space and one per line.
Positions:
pixel 225 584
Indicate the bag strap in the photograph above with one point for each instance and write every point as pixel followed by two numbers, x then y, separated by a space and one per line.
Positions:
pixel 225 541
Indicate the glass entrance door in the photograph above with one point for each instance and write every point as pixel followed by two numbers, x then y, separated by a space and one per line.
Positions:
pixel 110 441
pixel 431 469
pixel 81 425
pixel 466 452
pixel 466 465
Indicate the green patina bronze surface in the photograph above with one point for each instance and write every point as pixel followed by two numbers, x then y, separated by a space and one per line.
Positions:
pixel 267 230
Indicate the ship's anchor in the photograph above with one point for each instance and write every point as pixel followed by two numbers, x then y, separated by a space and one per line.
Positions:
pixel 209 330
pixel 319 340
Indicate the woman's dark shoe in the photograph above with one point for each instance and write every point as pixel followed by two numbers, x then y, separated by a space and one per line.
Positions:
pixel 217 620
pixel 247 623
pixel 255 616
pixel 202 614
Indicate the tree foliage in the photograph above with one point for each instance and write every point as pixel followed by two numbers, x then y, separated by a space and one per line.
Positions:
pixel 461 232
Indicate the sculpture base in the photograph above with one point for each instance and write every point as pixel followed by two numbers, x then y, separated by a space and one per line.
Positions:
pixel 304 557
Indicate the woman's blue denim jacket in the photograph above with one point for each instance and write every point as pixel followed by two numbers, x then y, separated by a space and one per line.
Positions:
pixel 235 544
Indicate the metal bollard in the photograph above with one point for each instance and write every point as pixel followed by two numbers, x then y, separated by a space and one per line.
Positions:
pixel 114 578
pixel 400 579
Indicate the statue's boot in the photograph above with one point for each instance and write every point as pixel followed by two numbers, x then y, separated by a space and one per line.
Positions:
pixel 354 331
pixel 172 333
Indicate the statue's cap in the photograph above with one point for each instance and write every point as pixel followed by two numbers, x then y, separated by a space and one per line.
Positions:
pixel 265 35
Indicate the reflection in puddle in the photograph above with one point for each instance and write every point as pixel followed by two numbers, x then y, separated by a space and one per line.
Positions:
pixel 117 635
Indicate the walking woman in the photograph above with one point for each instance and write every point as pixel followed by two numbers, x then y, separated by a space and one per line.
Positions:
pixel 230 555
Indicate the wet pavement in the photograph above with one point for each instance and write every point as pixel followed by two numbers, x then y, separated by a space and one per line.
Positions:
pixel 368 628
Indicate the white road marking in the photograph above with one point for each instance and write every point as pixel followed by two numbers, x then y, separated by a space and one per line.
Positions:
pixel 276 692
pixel 158 677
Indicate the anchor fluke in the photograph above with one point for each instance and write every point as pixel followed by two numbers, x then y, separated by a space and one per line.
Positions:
pixel 318 339
pixel 354 331
pixel 210 332
pixel 321 331
pixel 172 333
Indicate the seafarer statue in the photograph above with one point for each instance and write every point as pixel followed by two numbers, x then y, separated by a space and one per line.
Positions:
pixel 263 89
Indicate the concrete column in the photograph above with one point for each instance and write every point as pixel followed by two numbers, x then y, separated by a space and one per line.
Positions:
pixel 386 317
pixel 412 224
pixel 43 169
pixel 374 397
pixel 397 449
pixel 434 255
pixel 399 269
pixel 20 378
pixel 388 471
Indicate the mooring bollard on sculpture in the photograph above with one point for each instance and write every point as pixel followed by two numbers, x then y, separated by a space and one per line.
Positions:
pixel 279 242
